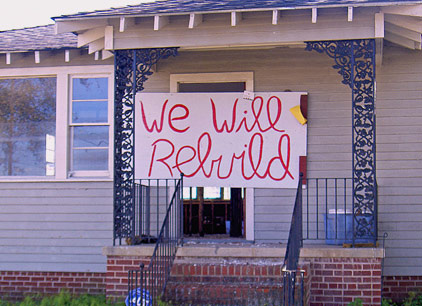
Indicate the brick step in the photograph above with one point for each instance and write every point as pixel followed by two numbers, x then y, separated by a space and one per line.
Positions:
pixel 192 293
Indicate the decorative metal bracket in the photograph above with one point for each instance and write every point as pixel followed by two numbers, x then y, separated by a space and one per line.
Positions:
pixel 355 60
pixel 131 69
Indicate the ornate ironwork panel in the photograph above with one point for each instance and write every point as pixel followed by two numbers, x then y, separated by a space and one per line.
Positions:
pixel 355 60
pixel 131 69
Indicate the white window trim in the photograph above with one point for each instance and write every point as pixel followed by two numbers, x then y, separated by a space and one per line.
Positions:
pixel 63 75
pixel 91 173
pixel 224 77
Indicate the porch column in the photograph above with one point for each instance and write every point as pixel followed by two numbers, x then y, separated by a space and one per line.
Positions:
pixel 131 69
pixel 355 60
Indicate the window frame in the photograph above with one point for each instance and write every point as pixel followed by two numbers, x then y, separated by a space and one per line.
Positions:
pixel 62 75
pixel 91 173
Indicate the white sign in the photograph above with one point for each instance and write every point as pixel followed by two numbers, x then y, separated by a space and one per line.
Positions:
pixel 219 139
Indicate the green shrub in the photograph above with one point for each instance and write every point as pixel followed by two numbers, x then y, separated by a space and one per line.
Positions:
pixel 63 299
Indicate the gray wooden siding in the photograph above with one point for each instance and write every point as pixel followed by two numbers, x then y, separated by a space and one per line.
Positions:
pixel 55 226
pixel 399 167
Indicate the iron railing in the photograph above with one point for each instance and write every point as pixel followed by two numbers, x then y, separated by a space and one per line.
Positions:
pixel 328 212
pixel 291 259
pixel 146 285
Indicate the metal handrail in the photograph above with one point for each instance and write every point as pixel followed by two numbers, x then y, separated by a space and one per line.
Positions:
pixel 294 244
pixel 147 285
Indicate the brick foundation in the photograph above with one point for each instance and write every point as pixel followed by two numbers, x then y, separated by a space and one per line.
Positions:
pixel 339 281
pixel 117 272
pixel 14 285
pixel 398 288
pixel 332 277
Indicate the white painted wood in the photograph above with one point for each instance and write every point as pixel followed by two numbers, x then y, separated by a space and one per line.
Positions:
pixel 67 56
pixel 411 23
pixel 160 22
pixel 276 17
pixel 97 55
pixel 79 25
pixel 109 38
pixel 106 54
pixel 379 25
pixel 407 10
pixel 314 15
pixel 96 45
pixel 392 28
pixel 8 58
pixel 37 57
pixel 90 36
pixel 400 40
pixel 236 17
pixel 248 33
pixel 246 77
pixel 62 131
pixel 350 14
pixel 379 51
pixel 195 20
pixel 125 23
pixel 122 26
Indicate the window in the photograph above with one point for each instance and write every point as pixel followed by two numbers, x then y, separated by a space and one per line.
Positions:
pixel 27 126
pixel 89 122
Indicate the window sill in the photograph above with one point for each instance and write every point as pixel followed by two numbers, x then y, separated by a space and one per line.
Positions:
pixel 53 180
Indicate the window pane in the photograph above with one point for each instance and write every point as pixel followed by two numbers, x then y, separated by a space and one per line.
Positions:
pixel 90 159
pixel 212 193
pixel 88 89
pixel 187 192
pixel 90 136
pixel 27 126
pixel 89 112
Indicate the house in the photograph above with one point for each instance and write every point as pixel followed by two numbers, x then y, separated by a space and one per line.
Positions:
pixel 99 109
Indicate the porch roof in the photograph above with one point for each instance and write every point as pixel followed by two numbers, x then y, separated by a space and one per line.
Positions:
pixel 218 24
pixel 36 39
pixel 174 7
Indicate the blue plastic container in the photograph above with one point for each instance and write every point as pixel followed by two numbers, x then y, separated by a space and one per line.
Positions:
pixel 344 227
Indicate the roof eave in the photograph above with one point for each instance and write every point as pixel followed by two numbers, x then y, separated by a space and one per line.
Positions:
pixel 111 15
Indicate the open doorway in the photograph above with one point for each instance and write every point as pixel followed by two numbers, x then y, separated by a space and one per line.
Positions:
pixel 216 212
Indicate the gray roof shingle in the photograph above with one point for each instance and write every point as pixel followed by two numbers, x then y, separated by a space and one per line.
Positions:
pixel 189 6
pixel 35 39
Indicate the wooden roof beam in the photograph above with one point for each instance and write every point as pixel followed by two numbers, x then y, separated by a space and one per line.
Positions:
pixel 350 14
pixel 125 23
pixel 160 22
pixel 195 20
pixel 106 54
pixel 314 15
pixel 236 17
pixel 276 17
pixel 379 37
pixel 79 25
pixel 407 22
pixel 409 34
pixel 407 10
pixel 402 41
pixel 90 36
pixel 109 38
pixel 96 45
